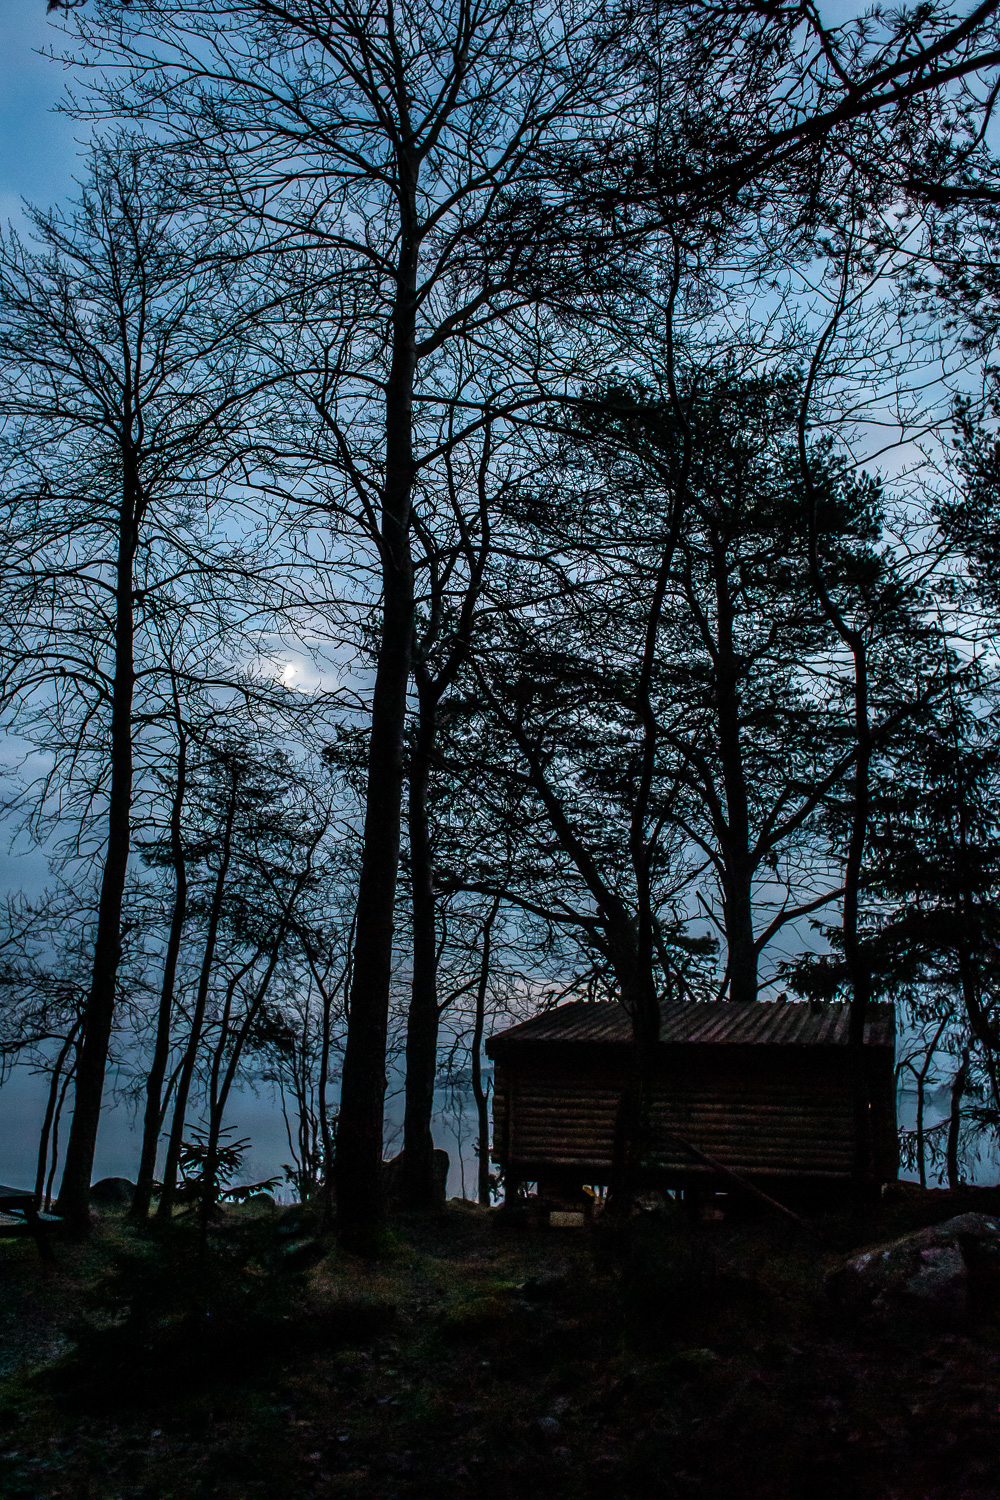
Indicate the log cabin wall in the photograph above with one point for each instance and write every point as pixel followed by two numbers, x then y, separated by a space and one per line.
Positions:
pixel 769 1111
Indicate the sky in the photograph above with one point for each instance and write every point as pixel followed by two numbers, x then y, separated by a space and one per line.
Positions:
pixel 42 153
pixel 41 150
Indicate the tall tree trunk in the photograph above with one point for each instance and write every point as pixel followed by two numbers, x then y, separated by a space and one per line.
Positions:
pixel 358 1162
pixel 57 1087
pixel 210 1167
pixel 738 893
pixel 423 1016
pixel 955 1117
pixel 56 1118
pixel 92 1061
pixel 325 1130
pixel 921 1142
pixel 925 1068
pixel 632 1123
pixel 740 940
pixel 854 955
pixel 327 1127
pixel 220 1091
pixel 161 1048
pixel 478 1092
pixel 167 1194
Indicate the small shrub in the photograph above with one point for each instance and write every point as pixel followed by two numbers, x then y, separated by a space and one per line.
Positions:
pixel 475 1315
pixel 165 1314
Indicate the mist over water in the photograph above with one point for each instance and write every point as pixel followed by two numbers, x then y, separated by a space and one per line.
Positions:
pixel 254 1114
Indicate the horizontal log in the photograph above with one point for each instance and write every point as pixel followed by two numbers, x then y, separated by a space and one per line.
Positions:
pixel 786 1129
pixel 803 1104
pixel 786 1136
pixel 729 1150
pixel 597 1170
pixel 710 1121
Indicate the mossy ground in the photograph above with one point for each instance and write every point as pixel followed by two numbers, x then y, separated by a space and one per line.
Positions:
pixel 481 1360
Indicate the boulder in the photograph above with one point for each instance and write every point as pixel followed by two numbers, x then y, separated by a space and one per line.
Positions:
pixel 545 1286
pixel 301 1255
pixel 112 1193
pixel 298 1221
pixel 393 1177
pixel 257 1206
pixel 944 1271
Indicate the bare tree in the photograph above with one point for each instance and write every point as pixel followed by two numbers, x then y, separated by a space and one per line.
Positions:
pixel 385 138
pixel 119 416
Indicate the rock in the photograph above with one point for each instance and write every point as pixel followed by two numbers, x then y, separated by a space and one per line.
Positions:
pixel 544 1286
pixel 113 1193
pixel 392 1178
pixel 300 1255
pixel 942 1271
pixel 549 1427
pixel 297 1221
pixel 263 1202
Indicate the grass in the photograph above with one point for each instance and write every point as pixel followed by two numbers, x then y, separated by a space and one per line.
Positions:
pixel 478 1360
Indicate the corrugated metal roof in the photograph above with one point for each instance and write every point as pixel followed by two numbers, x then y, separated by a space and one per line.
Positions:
pixel 723 1022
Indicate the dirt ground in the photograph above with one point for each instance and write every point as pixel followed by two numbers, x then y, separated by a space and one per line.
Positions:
pixel 479 1358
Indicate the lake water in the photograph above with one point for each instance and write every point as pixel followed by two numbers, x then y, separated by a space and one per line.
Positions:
pixel 257 1115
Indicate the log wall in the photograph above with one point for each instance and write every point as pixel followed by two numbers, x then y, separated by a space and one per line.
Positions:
pixel 766 1112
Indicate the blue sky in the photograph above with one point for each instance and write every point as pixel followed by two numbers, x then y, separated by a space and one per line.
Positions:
pixel 41 152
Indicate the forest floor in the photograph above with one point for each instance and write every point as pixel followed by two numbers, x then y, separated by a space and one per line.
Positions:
pixel 481 1359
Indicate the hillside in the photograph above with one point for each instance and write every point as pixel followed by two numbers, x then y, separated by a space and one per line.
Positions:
pixel 480 1358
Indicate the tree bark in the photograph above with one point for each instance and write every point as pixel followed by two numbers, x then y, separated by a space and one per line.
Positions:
pixel 921 1076
pixel 57 1116
pixel 423 1017
pixel 478 1092
pixel 632 1125
pixel 739 865
pixel 955 1117
pixel 358 1161
pixel 853 638
pixel 166 1203
pixel 854 955
pixel 161 1049
pixel 219 1092
pixel 57 1087
pixel 74 1193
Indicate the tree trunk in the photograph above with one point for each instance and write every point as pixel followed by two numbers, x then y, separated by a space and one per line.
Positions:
pixel 166 1203
pixel 358 1161
pixel 921 1142
pixel 219 1092
pixel 326 1125
pixel 632 1123
pixel 955 1117
pixel 422 1021
pixel 57 1087
pixel 478 1092
pixel 925 1068
pixel 57 1116
pixel 161 1049
pixel 854 955
pixel 740 940
pixel 741 945
pixel 210 1165
pixel 92 1061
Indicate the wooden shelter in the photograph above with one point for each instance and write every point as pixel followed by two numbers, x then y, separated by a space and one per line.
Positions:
pixel 763 1090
